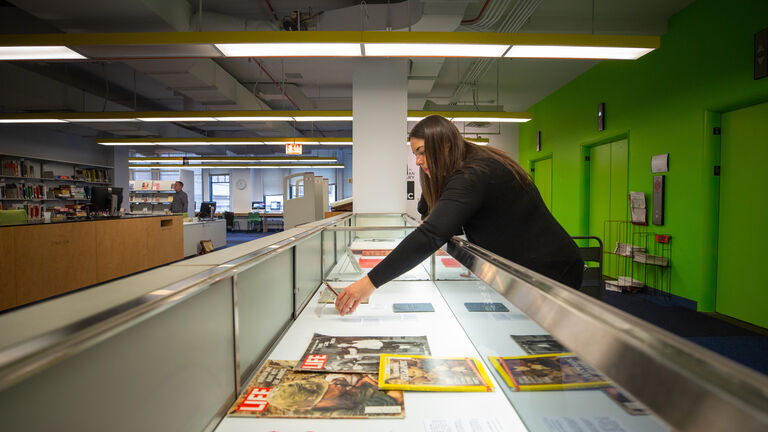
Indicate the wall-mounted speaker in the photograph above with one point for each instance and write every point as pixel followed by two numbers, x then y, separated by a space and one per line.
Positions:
pixel 538 141
pixel 601 116
pixel 761 54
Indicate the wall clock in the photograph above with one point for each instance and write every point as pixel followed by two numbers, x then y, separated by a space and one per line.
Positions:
pixel 241 184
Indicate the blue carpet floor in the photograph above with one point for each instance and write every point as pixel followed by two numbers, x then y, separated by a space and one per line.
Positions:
pixel 238 237
pixel 740 344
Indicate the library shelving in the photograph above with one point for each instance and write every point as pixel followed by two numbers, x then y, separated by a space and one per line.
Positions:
pixel 39 185
pixel 151 196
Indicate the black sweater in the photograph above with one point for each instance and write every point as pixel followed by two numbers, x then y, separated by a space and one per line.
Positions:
pixel 497 213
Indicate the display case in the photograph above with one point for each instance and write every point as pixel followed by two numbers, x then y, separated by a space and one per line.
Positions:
pixel 184 349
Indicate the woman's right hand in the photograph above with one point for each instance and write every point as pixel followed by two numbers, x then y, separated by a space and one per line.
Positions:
pixel 349 299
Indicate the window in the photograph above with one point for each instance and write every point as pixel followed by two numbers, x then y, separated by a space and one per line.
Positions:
pixel 141 174
pixel 220 191
pixel 169 174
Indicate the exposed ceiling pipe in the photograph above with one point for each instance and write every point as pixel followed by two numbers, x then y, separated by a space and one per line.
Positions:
pixel 512 22
pixel 282 90
pixel 212 21
pixel 479 15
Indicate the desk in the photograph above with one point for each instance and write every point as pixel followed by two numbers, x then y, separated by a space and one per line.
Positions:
pixel 40 261
pixel 263 216
pixel 194 232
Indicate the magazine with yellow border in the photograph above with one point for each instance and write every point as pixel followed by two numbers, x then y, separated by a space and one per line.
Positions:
pixel 427 373
pixel 547 372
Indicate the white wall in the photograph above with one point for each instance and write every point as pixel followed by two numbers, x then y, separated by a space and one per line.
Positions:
pixel 240 198
pixel 121 175
pixel 44 143
pixel 379 106
pixel 507 140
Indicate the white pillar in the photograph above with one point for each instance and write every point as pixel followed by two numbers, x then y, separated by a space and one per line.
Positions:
pixel 379 105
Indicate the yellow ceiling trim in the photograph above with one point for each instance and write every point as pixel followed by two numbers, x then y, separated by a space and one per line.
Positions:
pixel 208 38
pixel 222 116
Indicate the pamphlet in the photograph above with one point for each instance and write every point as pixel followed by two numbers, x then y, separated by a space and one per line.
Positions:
pixel 278 391
pixel 539 344
pixel 403 372
pixel 356 354
pixel 629 405
pixel 548 372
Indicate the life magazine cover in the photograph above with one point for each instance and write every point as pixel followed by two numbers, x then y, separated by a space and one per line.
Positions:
pixel 356 354
pixel 401 372
pixel 279 391
pixel 539 344
pixel 547 372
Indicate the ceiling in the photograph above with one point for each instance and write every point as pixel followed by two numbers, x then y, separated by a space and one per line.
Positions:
pixel 293 83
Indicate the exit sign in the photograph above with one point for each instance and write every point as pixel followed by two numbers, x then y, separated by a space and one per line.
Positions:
pixel 293 149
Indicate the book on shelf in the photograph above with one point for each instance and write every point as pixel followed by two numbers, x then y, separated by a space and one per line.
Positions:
pixel 34 211
pixel 656 260
pixel 539 344
pixel 547 372
pixel 627 250
pixel 23 191
pixel 279 391
pixel 623 283
pixel 356 354
pixel 426 373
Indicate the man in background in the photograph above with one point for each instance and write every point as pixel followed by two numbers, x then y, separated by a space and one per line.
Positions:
pixel 179 203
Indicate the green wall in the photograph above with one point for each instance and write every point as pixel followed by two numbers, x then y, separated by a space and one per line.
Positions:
pixel 665 102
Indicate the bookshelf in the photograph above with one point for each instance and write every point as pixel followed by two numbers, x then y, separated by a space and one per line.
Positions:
pixel 41 185
pixel 151 196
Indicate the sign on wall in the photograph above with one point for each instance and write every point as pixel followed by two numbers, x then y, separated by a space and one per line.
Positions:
pixel 293 149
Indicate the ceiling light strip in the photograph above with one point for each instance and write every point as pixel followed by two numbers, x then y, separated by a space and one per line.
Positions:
pixel 312 44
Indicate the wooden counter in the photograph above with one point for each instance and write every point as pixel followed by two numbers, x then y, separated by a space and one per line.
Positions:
pixel 40 261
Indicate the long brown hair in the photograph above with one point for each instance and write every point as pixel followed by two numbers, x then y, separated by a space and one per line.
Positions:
pixel 447 151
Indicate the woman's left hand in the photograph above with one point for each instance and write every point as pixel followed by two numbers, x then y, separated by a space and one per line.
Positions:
pixel 350 298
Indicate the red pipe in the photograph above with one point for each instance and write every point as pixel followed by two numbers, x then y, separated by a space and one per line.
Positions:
pixel 479 15
pixel 283 91
pixel 271 9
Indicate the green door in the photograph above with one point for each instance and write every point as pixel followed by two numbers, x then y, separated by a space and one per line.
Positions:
pixel 742 282
pixel 607 193
pixel 542 176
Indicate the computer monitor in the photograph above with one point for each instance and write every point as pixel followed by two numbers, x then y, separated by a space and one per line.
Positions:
pixel 275 206
pixel 106 199
pixel 257 205
pixel 207 209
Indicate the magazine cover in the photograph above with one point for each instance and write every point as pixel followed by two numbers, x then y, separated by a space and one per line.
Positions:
pixel 357 354
pixel 328 297
pixel 548 372
pixel 403 372
pixel 278 391
pixel 539 344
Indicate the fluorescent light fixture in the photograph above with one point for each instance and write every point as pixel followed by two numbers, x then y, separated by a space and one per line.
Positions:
pixel 433 50
pixel 414 119
pixel 490 119
pixel 290 49
pixel 323 118
pixel 348 143
pixel 177 119
pixel 41 120
pixel 223 143
pixel 38 53
pixel 142 143
pixel 101 120
pixel 143 167
pixel 576 52
pixel 254 119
